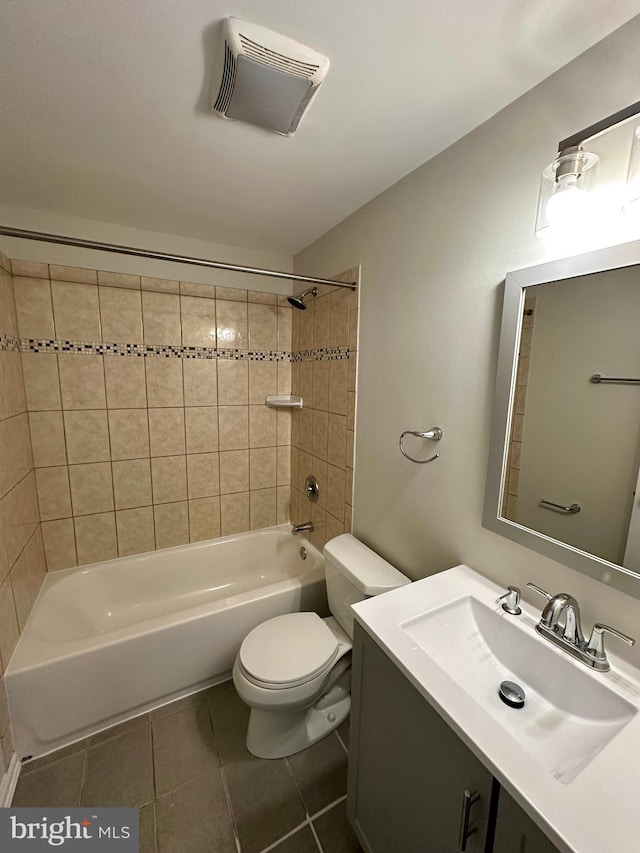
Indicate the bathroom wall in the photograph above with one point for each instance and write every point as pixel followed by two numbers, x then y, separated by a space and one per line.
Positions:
pixel 146 408
pixel 434 250
pixel 22 564
pixel 325 344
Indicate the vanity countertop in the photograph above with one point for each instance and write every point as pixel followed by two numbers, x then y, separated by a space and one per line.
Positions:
pixel 584 806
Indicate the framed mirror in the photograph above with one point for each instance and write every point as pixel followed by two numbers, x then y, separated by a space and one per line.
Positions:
pixel 564 461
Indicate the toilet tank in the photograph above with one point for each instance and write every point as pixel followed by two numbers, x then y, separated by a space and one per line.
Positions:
pixel 355 572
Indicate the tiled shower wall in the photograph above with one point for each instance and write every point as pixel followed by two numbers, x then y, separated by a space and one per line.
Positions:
pixel 146 407
pixel 325 344
pixel 22 564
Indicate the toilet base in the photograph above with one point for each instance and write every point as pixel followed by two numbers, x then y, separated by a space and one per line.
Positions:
pixel 277 734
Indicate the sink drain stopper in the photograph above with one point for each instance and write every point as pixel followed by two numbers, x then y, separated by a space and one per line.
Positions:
pixel 511 694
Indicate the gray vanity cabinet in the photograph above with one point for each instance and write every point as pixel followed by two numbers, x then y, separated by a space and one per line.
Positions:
pixel 515 831
pixel 408 770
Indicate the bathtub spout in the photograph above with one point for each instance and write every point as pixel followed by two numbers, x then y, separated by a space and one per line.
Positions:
pixel 302 528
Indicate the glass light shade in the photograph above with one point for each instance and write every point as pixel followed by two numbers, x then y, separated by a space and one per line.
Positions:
pixel 564 200
pixel 632 200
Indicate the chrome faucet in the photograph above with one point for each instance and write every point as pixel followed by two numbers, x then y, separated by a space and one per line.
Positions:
pixel 302 528
pixel 568 634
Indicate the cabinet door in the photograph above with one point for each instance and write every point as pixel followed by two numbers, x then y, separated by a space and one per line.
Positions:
pixel 516 832
pixel 408 771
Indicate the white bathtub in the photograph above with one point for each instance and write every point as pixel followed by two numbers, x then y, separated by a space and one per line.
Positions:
pixel 112 640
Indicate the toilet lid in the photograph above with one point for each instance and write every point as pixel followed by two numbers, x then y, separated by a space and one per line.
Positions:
pixel 288 648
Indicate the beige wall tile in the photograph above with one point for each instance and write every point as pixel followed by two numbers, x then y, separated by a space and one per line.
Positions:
pixel 320 398
pixel 283 466
pixel 132 483
pixel 169 478
pixel 305 430
pixel 162 285
pixel 82 381
pixel 348 489
pixel 305 388
pixel 54 498
pixel 231 320
pixel 350 452
pixel 320 470
pixel 284 328
pixel 77 274
pixel 8 314
pixel 284 377
pixel 283 423
pixel 338 382
pixel 262 468
pixel 172 524
pixel 34 269
pixel 36 562
pixel 125 382
pixel 319 519
pixel 34 308
pixel 21 591
pixel 340 311
pixel 233 383
pixel 336 492
pixel 12 395
pixel 234 427
pixel 203 475
pixel 96 538
pixel 283 504
pixel 348 521
pixel 198 321
pixel 262 298
pixel 202 429
pixel 200 381
pixel 263 426
pixel 87 436
pixel 128 433
pixel 135 531
pixel 161 318
pixel 47 439
pixel 294 465
pixel 263 380
pixel 164 382
pixel 91 488
pixel 59 544
pixel 234 513
pixel 334 527
pixel 351 410
pixel 262 506
pixel 234 471
pixel 336 453
pixel 118 279
pixel 353 330
pixel 194 288
pixel 76 311
pixel 166 432
pixel 321 322
pixel 263 327
pixel 235 294
pixel 9 632
pixel 320 434
pixel 204 519
pixel 305 327
pixel 352 362
pixel 121 315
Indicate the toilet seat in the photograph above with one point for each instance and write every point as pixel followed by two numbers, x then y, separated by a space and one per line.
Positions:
pixel 288 650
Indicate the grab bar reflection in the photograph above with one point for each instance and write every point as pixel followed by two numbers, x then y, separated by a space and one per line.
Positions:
pixel 572 508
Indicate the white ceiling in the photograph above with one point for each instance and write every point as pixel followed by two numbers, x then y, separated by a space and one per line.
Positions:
pixel 105 105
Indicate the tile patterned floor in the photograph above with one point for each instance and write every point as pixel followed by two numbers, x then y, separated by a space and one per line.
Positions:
pixel 198 789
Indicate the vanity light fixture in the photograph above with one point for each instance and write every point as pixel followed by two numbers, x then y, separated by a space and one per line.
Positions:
pixel 565 200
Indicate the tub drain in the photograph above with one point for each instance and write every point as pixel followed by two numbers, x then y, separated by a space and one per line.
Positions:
pixel 511 694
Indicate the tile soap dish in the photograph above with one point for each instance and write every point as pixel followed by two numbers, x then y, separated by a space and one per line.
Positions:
pixel 283 401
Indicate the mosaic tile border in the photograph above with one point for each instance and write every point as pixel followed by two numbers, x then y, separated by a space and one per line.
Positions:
pixel 32 345
pixel 9 344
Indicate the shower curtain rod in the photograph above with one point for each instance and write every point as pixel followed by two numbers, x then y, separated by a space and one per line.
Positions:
pixel 42 237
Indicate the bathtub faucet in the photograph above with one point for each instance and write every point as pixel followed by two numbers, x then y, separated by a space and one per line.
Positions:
pixel 302 528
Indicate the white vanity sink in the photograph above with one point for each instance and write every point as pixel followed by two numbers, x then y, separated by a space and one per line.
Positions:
pixel 569 756
pixel 568 715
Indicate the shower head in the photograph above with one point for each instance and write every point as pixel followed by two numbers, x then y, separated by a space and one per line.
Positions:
pixel 298 301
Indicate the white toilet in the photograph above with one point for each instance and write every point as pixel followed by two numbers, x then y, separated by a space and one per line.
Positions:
pixel 294 670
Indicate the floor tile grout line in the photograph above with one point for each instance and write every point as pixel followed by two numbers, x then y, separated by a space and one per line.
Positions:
pixel 85 767
pixel 328 808
pixel 282 838
pixel 295 782
pixel 344 745
pixel 227 797
pixel 315 835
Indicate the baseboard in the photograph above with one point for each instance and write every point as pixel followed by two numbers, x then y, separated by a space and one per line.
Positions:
pixel 9 781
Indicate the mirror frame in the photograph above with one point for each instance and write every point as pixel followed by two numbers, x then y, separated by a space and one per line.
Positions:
pixel 614 257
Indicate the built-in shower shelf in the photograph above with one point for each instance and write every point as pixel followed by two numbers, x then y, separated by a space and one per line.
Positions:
pixel 283 401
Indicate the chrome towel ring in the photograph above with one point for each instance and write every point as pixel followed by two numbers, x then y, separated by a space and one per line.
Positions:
pixel 433 434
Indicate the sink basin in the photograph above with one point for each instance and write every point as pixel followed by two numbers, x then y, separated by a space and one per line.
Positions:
pixel 568 716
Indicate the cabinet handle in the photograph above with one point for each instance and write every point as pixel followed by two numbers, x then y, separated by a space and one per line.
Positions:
pixel 467 829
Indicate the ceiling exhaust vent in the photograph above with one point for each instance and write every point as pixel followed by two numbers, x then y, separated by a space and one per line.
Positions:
pixel 264 78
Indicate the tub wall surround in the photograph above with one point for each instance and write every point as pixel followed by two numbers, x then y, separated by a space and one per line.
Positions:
pixel 22 563
pixel 325 346
pixel 145 400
